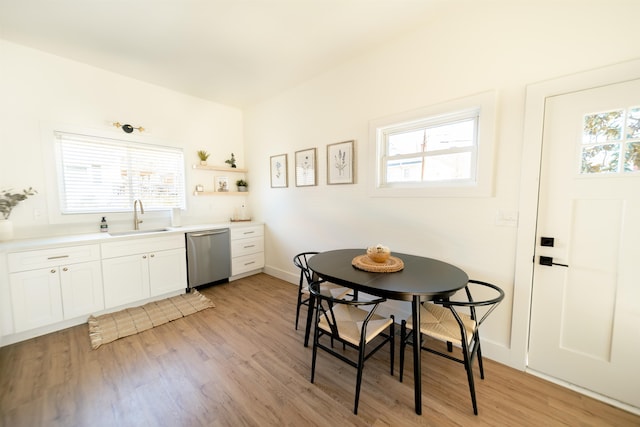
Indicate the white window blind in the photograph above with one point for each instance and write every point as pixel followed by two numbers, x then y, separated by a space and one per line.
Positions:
pixel 107 175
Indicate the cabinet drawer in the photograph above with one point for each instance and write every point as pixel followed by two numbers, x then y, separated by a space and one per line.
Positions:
pixel 245 232
pixel 31 260
pixel 142 245
pixel 247 246
pixel 246 263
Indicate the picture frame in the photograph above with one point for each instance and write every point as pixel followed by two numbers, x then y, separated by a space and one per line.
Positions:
pixel 341 163
pixel 221 184
pixel 279 171
pixel 306 167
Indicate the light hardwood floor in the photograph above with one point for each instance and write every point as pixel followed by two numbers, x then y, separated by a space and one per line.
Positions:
pixel 243 364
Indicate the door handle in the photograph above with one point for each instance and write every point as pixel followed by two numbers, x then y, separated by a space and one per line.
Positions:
pixel 547 260
pixel 209 233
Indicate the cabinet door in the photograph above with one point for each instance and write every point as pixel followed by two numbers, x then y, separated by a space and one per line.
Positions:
pixel 125 279
pixel 81 286
pixel 36 298
pixel 167 271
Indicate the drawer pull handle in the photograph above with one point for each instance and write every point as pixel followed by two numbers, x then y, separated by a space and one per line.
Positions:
pixel 250 246
pixel 152 255
pixel 144 257
pixel 53 270
pixel 65 269
pixel 249 232
pixel 249 263
pixel 58 257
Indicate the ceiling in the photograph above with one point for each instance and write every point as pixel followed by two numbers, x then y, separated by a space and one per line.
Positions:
pixel 235 52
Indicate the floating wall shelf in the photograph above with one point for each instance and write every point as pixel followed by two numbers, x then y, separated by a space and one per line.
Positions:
pixel 220 169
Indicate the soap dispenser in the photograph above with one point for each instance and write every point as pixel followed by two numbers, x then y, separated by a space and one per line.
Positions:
pixel 104 227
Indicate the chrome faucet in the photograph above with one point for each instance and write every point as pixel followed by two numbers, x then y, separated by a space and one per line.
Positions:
pixel 136 221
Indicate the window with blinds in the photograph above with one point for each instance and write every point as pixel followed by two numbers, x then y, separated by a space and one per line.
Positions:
pixel 98 175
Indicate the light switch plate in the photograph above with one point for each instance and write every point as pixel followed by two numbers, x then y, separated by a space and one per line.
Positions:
pixel 507 218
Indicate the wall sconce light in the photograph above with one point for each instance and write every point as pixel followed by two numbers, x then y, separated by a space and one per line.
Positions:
pixel 128 128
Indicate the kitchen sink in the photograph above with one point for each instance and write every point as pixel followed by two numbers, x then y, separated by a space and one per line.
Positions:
pixel 134 232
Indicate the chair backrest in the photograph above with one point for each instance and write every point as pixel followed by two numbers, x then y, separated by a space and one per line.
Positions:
pixel 301 261
pixel 472 303
pixel 327 306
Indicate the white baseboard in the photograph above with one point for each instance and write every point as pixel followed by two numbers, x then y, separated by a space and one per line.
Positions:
pixel 594 395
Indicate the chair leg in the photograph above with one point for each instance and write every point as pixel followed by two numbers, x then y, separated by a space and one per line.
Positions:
pixel 392 335
pixel 472 389
pixel 311 304
pixel 479 355
pixel 361 353
pixel 316 337
pixel 403 331
pixel 298 308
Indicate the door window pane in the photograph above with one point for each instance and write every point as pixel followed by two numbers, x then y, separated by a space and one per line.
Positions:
pixel 633 123
pixel 601 158
pixel 632 157
pixel 598 157
pixel 603 127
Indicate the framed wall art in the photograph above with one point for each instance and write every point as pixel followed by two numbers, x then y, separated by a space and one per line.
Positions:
pixel 340 163
pixel 306 167
pixel 222 184
pixel 279 171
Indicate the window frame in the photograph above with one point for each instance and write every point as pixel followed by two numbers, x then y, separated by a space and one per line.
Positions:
pixel 54 174
pixel 480 185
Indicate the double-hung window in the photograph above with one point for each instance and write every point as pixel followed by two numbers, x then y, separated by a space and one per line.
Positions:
pixel 445 150
pixel 100 175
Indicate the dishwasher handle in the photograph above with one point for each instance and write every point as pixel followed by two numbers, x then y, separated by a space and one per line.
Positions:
pixel 208 233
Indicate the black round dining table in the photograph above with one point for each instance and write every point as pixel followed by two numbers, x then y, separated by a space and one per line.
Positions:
pixel 421 279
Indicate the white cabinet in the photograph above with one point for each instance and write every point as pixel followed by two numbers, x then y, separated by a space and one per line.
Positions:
pixel 167 270
pixel 52 285
pixel 247 249
pixel 140 268
pixel 81 286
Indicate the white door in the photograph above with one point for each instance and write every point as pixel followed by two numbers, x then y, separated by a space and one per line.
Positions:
pixel 585 314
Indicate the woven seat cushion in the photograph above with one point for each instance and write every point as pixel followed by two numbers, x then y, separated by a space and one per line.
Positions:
pixel 438 322
pixel 349 321
pixel 330 289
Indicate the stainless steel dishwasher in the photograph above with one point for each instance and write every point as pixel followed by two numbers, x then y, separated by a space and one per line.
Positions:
pixel 208 256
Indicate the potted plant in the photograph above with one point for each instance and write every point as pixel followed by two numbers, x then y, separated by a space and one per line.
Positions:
pixel 8 201
pixel 242 185
pixel 232 161
pixel 203 155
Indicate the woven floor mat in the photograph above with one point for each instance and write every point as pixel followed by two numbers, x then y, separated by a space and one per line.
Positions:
pixel 112 326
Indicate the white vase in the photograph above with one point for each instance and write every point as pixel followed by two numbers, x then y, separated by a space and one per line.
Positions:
pixel 6 230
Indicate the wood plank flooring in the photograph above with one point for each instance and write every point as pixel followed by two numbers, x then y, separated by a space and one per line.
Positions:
pixel 243 364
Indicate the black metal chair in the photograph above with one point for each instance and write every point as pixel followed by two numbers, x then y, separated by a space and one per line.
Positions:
pixel 355 324
pixel 306 277
pixel 445 320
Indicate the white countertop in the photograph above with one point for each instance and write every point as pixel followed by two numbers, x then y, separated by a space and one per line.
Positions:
pixel 91 238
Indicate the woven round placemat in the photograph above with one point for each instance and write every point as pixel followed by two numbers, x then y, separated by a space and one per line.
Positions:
pixel 391 265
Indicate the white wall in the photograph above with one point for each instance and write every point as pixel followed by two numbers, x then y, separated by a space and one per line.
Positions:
pixel 39 91
pixel 497 45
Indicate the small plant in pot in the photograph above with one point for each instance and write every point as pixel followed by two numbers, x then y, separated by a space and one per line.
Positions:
pixel 232 161
pixel 9 200
pixel 203 156
pixel 242 185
